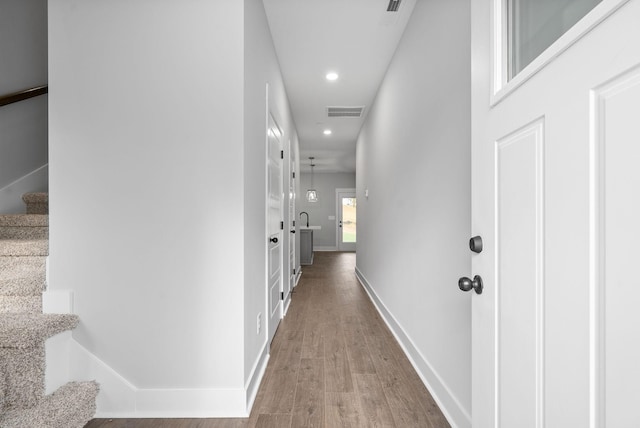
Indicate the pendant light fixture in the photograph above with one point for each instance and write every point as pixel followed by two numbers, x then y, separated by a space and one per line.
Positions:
pixel 312 195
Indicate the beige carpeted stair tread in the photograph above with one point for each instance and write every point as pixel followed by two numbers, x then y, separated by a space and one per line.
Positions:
pixel 22 276
pixel 24 220
pixel 21 304
pixel 71 406
pixel 24 226
pixel 24 232
pixel 23 372
pixel 37 203
pixel 27 330
pixel 22 247
pixel 35 197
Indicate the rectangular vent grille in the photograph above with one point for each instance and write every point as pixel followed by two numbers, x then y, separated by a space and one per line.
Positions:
pixel 393 5
pixel 345 111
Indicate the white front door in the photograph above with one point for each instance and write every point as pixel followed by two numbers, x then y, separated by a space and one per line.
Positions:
pixel 346 219
pixel 274 227
pixel 556 200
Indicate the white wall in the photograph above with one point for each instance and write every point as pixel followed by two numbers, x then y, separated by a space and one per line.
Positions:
pixel 319 212
pixel 147 198
pixel 23 125
pixel 413 155
pixel 261 67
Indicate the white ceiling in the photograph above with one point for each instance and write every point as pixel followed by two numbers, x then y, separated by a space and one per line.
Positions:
pixel 354 38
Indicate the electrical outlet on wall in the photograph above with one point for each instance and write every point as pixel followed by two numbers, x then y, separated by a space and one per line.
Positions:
pixel 259 323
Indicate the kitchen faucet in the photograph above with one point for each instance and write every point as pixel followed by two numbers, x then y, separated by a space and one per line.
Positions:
pixel 304 212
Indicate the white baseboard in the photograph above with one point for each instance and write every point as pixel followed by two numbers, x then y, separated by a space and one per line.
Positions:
pixel 257 373
pixel 298 275
pixel 325 248
pixel 286 306
pixel 455 413
pixel 67 360
pixel 118 398
pixel 11 194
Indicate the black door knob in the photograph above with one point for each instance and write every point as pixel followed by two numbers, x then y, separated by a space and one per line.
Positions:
pixel 293 231
pixel 465 284
pixel 274 240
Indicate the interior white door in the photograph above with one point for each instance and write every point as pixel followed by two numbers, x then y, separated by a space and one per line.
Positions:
pixel 289 277
pixel 292 218
pixel 274 229
pixel 555 199
pixel 346 218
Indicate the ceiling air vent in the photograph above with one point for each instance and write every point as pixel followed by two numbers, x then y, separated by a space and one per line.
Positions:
pixel 345 111
pixel 393 5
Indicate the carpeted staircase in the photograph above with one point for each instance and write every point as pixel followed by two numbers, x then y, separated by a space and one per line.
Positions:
pixel 24 328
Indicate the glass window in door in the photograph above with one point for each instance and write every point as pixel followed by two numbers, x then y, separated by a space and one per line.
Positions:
pixel 533 26
pixel 348 219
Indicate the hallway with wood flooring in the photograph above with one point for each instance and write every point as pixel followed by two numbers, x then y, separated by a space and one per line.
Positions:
pixel 334 363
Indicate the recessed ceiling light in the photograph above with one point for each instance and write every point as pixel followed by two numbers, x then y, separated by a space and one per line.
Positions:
pixel 332 76
pixel 327 132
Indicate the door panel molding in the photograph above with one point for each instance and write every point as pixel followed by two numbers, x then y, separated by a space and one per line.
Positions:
pixel 519 295
pixel 614 181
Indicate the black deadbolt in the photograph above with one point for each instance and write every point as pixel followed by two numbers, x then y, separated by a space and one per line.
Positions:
pixel 475 244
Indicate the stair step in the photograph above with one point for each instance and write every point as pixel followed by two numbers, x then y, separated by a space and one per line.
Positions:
pixel 22 354
pixel 37 203
pixel 71 406
pixel 29 330
pixel 24 226
pixel 23 372
pixel 21 304
pixel 24 220
pixel 24 247
pixel 22 276
pixel 24 232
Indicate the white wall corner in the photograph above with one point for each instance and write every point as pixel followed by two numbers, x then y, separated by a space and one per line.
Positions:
pixel 455 413
pixel 119 398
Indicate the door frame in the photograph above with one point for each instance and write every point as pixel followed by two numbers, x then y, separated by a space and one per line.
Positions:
pixel 339 246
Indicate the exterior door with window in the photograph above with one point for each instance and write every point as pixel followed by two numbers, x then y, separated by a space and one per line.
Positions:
pixel 555 152
pixel 346 218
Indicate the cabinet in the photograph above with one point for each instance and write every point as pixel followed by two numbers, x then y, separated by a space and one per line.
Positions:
pixel 306 247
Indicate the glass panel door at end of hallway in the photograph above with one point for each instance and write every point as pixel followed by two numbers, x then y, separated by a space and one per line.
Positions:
pixel 347 207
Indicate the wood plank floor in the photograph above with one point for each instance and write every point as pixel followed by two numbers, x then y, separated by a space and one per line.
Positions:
pixel 334 363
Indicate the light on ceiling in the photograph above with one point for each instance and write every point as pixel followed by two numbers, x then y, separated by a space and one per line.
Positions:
pixel 327 132
pixel 312 194
pixel 332 76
